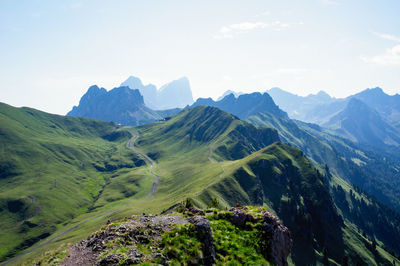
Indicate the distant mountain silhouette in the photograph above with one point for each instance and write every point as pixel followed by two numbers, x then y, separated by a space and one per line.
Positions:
pixel 361 123
pixel 176 94
pixel 320 108
pixel 298 107
pixel 121 105
pixel 245 105
pixel 388 106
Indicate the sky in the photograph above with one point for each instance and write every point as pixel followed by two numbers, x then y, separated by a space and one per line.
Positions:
pixel 52 51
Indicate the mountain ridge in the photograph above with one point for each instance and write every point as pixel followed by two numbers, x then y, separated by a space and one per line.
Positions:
pixel 244 105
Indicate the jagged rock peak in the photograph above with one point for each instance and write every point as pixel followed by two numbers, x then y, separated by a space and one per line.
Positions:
pixel 95 90
pixel 121 105
pixel 245 105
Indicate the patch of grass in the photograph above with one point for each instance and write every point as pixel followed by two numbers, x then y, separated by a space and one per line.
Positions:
pixel 236 246
pixel 182 245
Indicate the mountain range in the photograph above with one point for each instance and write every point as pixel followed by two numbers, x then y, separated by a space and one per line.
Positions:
pixel 244 105
pixel 361 123
pixel 319 108
pixel 370 117
pixel 322 145
pixel 134 103
pixel 64 177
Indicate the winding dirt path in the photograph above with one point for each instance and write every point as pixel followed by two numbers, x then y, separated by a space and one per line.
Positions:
pixel 147 159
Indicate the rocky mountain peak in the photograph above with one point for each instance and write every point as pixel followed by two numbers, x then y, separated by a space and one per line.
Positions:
pixel 121 105
pixel 245 105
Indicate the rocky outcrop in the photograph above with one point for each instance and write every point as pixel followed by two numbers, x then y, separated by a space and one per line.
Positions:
pixel 112 259
pixel 160 239
pixel 203 228
pixel 276 234
pixel 240 217
pixel 279 239
pixel 134 257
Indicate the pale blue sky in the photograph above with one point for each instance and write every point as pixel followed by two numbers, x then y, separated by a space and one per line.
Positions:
pixel 52 51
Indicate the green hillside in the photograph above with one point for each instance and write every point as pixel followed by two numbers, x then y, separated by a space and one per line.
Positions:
pixel 285 182
pixel 371 169
pixel 53 168
pixel 82 168
pixel 203 154
pixel 268 177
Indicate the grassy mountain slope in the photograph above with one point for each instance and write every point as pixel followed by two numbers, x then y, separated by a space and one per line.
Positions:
pixel 204 153
pixel 361 167
pixel 374 170
pixel 121 183
pixel 278 177
pixel 53 169
pixel 207 128
pixel 374 220
pixel 284 181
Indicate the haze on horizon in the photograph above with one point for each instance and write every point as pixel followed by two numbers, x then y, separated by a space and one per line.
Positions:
pixel 52 51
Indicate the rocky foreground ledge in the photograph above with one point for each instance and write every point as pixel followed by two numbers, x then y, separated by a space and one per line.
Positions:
pixel 191 237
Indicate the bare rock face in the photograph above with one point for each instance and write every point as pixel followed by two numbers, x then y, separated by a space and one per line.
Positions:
pixel 112 259
pixel 204 229
pixel 279 238
pixel 240 217
pixel 134 257
pixel 276 233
